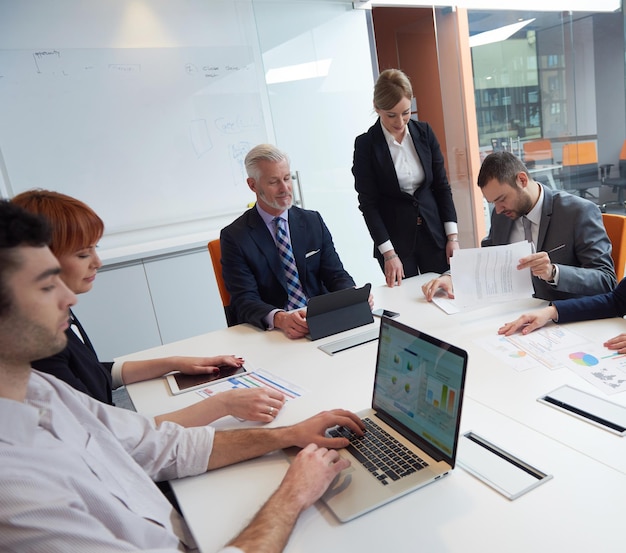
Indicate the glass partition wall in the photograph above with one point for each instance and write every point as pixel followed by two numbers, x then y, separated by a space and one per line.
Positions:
pixel 549 87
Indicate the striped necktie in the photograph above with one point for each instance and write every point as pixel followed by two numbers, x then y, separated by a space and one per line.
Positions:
pixel 296 297
pixel 528 232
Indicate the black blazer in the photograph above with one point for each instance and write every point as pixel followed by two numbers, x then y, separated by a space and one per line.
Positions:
pixel 600 306
pixel 78 365
pixel 252 270
pixel 389 213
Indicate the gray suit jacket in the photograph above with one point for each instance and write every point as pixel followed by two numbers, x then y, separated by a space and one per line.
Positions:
pixel 585 263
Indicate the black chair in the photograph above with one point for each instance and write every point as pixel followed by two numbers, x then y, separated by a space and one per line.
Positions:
pixel 618 183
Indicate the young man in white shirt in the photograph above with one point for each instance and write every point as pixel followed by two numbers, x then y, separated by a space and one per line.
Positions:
pixel 77 475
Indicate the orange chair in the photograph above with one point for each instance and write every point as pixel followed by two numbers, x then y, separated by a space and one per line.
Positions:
pixel 538 152
pixel 580 168
pixel 215 250
pixel 615 226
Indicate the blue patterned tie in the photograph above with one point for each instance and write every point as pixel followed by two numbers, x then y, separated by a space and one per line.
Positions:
pixel 296 297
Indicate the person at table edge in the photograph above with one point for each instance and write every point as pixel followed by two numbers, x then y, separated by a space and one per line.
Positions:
pixel 588 308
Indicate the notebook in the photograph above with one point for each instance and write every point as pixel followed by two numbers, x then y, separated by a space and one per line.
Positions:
pixel 337 311
pixel 417 399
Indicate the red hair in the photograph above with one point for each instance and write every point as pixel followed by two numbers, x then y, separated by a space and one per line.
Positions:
pixel 75 225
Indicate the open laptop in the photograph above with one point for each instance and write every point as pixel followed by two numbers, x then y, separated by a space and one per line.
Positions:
pixel 418 393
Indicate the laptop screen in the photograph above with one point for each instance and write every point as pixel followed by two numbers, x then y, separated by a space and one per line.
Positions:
pixel 419 384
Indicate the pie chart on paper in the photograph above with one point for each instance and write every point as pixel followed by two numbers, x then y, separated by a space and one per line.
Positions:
pixel 583 359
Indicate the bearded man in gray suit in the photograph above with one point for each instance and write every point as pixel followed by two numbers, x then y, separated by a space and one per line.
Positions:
pixel 573 256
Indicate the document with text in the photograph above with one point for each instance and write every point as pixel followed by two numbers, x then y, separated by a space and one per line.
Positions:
pixel 487 275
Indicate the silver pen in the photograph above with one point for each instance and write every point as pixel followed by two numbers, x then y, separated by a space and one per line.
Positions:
pixel 557 248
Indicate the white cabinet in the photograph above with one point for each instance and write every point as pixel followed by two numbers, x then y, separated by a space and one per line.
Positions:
pixel 185 296
pixel 148 302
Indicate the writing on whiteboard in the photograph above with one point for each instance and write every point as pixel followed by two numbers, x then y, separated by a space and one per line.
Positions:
pixel 124 68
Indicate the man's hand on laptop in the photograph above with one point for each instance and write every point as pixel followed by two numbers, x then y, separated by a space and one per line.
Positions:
pixel 313 430
pixel 293 324
pixel 310 474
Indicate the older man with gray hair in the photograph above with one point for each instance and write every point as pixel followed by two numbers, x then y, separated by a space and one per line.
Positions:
pixel 276 256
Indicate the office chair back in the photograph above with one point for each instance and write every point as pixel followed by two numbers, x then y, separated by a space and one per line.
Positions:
pixel 580 167
pixel 538 152
pixel 618 184
pixel 622 161
pixel 215 250
pixel 615 226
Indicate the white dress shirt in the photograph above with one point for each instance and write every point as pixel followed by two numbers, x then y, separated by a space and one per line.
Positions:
pixel 407 163
pixel 77 475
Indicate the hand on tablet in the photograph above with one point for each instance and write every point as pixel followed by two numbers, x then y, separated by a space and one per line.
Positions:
pixel 203 365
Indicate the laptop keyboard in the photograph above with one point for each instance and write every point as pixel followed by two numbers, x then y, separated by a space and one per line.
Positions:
pixel 385 457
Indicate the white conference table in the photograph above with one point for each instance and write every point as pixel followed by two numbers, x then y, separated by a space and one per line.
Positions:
pixel 580 509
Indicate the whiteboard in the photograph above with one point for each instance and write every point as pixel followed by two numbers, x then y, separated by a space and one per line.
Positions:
pixel 163 131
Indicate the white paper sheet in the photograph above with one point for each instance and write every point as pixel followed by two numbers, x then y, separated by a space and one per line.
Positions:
pixel 487 275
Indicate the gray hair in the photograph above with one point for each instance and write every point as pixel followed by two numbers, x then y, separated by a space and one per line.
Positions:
pixel 263 152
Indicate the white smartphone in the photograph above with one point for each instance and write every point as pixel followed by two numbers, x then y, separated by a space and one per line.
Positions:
pixel 180 382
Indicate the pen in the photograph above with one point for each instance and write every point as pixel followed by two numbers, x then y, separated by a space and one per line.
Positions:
pixel 557 248
pixel 614 355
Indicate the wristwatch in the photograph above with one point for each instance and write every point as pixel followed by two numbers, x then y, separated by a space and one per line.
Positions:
pixel 553 274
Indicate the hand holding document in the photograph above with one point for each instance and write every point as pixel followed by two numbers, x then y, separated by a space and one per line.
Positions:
pixel 487 275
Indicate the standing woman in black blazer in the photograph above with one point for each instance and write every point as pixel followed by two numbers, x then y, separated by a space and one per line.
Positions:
pixel 402 186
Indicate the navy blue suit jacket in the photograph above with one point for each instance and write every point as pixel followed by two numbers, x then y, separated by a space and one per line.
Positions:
pixel 252 269
pixel 585 263
pixel 600 306
pixel 390 213
pixel 78 365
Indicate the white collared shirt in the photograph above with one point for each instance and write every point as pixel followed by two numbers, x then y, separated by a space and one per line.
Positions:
pixel 407 163
pixel 77 475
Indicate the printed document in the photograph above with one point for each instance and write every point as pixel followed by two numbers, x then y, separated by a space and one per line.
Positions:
pixel 487 275
pixel 557 347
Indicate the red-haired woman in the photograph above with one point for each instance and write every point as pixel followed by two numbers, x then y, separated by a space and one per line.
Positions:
pixel 76 230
